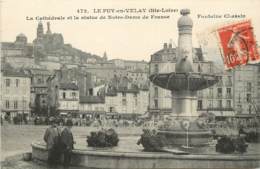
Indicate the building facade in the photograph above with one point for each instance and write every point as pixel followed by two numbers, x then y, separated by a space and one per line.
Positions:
pixel 216 99
pixel 126 98
pixel 92 105
pixel 68 98
pixel 247 90
pixel 15 93
pixel 39 90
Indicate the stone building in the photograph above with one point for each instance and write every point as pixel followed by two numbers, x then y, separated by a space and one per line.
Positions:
pixel 39 90
pixel 246 97
pixel 15 93
pixel 138 76
pixel 68 98
pixel 130 65
pixel 218 99
pixel 92 106
pixel 19 54
pixel 125 98
pixel 75 76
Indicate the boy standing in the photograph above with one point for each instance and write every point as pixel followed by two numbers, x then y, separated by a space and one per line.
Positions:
pixel 67 142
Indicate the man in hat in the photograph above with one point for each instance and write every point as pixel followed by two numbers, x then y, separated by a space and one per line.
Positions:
pixel 67 142
pixel 51 137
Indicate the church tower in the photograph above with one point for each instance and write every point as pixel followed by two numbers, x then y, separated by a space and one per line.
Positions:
pixel 40 30
pixel 48 28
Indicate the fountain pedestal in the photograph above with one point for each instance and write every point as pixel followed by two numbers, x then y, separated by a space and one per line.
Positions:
pixel 184 103
pixel 185 129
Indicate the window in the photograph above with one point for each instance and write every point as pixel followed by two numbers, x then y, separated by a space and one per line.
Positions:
pixel 219 92
pixel 248 97
pixel 7 104
pixel 15 104
pixel 156 68
pixel 156 103
pixel 111 109
pixel 220 104
pixel 210 68
pixel 39 81
pixel 157 58
pixel 90 92
pixel 210 102
pixel 228 92
pixel 64 95
pixel 124 94
pixel 7 82
pixel 199 104
pixel 74 94
pixel 124 102
pixel 155 91
pixel 239 108
pixel 199 68
pixel 249 86
pixel 210 92
pixel 17 82
pixel 220 80
pixel 228 103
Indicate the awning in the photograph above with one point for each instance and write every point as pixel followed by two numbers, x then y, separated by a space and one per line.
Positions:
pixel 223 113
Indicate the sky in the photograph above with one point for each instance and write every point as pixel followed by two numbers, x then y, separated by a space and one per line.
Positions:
pixel 125 39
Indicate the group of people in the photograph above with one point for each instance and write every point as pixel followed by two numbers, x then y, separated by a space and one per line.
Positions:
pixel 59 142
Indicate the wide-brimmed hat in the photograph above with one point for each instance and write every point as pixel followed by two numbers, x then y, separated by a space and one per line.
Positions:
pixel 52 119
pixel 69 123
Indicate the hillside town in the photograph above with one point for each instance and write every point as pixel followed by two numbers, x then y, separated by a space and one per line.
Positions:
pixel 47 77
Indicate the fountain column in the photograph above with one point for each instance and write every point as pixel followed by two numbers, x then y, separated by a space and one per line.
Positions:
pixel 184 102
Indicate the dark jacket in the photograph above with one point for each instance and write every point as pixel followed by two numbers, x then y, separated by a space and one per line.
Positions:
pixel 67 139
pixel 50 137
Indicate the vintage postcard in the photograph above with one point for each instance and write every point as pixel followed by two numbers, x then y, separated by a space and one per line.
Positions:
pixel 131 84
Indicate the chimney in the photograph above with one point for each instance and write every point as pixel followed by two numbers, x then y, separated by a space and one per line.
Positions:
pixel 165 46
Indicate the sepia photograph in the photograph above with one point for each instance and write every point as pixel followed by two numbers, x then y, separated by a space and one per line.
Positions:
pixel 130 84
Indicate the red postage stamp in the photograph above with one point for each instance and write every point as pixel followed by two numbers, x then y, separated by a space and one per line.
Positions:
pixel 238 44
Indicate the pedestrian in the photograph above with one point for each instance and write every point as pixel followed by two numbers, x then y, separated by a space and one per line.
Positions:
pixel 51 138
pixel 67 142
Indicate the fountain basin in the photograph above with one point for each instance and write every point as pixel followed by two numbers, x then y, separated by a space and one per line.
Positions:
pixel 108 159
pixel 195 138
pixel 184 81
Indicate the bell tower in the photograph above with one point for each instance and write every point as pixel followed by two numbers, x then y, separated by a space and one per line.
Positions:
pixel 40 30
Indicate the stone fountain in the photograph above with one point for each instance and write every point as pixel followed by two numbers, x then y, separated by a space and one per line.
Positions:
pixel 184 84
